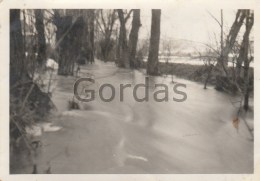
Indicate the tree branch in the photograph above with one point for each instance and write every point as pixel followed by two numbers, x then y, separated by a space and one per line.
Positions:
pixel 214 18
pixel 128 15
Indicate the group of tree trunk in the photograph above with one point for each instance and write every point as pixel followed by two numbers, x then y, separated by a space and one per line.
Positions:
pixel 75 41
pixel 28 103
pixel 225 80
pixel 127 50
pixel 74 38
pixel 75 34
pixel 123 50
pixel 231 38
pixel 105 23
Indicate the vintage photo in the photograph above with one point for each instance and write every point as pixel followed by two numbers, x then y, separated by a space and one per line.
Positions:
pixel 131 91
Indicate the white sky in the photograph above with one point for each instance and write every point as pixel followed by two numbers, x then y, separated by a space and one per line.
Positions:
pixel 192 24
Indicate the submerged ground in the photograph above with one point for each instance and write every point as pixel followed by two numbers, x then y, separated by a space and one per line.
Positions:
pixel 194 136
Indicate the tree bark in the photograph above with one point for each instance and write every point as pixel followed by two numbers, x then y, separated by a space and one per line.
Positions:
pixel 123 59
pixel 118 48
pixel 108 23
pixel 17 54
pixel 69 35
pixel 244 50
pixel 39 25
pixel 152 64
pixel 231 39
pixel 65 63
pixel 133 37
pixel 92 35
pixel 221 33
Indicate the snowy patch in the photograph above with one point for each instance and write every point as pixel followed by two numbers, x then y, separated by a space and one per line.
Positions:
pixel 52 64
pixel 48 127
pixel 34 130
pixel 38 129
pixel 70 113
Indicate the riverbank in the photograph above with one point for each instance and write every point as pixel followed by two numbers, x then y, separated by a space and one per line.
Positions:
pixel 196 73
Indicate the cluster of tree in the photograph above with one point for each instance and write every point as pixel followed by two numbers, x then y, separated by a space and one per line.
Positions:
pixel 76 36
pixel 28 103
pixel 68 37
pixel 233 79
pixel 125 43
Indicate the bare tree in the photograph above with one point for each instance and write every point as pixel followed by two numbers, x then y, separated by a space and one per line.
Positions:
pixel 87 48
pixel 70 29
pixel 167 47
pixel 231 38
pixel 39 25
pixel 244 55
pixel 211 65
pixel 106 23
pixel 152 64
pixel 91 34
pixel 223 80
pixel 24 91
pixel 220 23
pixel 133 37
pixel 123 57
pixel 17 54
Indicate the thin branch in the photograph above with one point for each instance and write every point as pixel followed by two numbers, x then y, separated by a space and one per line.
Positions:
pixel 22 133
pixel 100 27
pixel 214 18
pixel 128 15
pixel 68 30
pixel 26 97
pixel 207 45
pixel 103 20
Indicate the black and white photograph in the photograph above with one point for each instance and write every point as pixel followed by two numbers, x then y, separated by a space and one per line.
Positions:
pixel 131 91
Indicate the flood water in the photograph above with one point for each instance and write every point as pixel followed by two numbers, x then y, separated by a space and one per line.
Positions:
pixel 194 136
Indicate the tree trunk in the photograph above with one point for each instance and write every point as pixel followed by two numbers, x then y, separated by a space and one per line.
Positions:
pixel 152 65
pixel 65 63
pixel 231 39
pixel 123 59
pixel 69 35
pixel 119 42
pixel 133 37
pixel 17 54
pixel 41 57
pixel 106 43
pixel 221 33
pixel 92 35
pixel 244 51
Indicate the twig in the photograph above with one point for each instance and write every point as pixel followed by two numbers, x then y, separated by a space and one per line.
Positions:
pixel 22 134
pixel 214 18
pixel 26 97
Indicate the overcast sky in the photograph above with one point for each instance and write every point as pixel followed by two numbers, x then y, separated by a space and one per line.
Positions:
pixel 191 24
